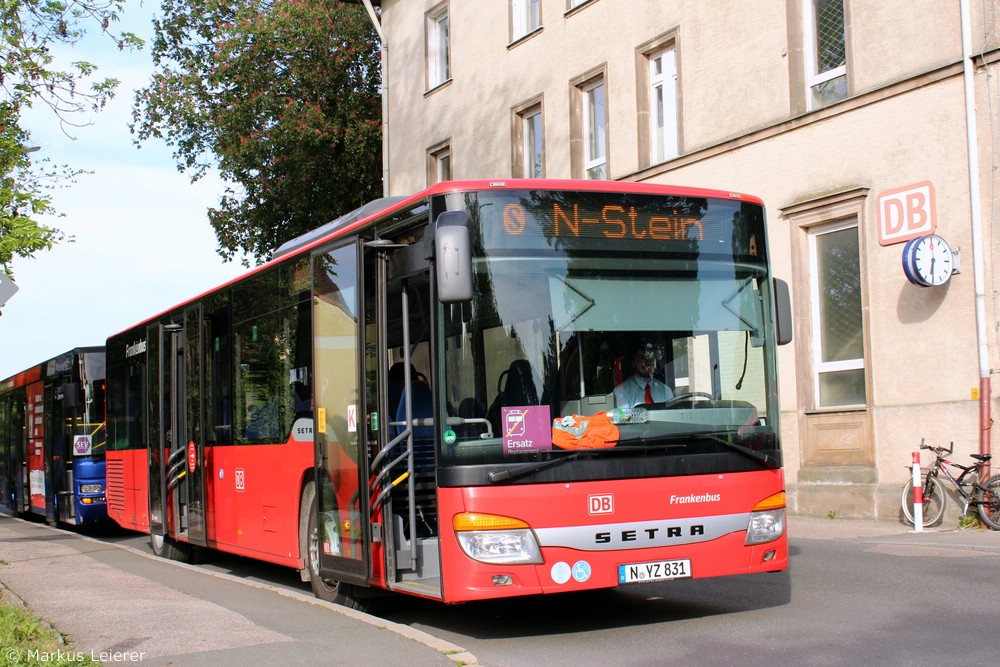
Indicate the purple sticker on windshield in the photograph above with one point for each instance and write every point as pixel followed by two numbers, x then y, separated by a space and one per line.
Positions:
pixel 526 428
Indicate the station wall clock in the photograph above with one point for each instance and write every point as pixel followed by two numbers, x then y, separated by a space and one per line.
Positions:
pixel 928 261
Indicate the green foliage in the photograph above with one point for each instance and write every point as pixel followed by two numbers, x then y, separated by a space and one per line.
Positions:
pixel 27 642
pixel 22 195
pixel 283 97
pixel 31 73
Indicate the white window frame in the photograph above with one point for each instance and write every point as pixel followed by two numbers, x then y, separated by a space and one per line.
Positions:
pixel 533 133
pixel 595 139
pixel 663 104
pixel 525 18
pixel 821 367
pixel 442 167
pixel 438 47
pixel 813 76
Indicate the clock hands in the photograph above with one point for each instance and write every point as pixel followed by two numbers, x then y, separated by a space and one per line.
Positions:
pixel 933 258
pixel 927 261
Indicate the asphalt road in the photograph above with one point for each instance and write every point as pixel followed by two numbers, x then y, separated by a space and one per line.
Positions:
pixel 857 593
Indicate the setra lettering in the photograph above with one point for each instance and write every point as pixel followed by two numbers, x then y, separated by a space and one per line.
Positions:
pixel 647 534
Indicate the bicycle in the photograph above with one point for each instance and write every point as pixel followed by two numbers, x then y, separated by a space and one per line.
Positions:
pixel 986 497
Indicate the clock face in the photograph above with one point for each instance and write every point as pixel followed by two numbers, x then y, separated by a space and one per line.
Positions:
pixel 927 261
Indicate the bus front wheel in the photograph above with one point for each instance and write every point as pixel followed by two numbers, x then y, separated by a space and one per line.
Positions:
pixel 166 547
pixel 325 589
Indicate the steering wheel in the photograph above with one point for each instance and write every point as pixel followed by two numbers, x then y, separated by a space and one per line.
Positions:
pixel 682 397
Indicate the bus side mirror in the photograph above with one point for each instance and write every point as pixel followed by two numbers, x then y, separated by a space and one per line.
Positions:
pixel 71 395
pixel 782 311
pixel 453 257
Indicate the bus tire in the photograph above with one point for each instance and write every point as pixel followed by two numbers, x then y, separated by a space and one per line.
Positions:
pixel 169 548
pixel 331 591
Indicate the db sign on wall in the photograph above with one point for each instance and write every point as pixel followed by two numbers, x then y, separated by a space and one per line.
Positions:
pixel 906 213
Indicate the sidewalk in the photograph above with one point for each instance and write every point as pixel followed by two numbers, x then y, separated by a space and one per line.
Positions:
pixel 121 606
pixel 893 533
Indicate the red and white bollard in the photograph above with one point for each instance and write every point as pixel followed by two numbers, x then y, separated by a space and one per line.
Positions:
pixel 918 495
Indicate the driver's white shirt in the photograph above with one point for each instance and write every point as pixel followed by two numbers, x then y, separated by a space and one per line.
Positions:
pixel 632 392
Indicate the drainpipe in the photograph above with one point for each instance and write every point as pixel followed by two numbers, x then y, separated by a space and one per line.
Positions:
pixel 385 93
pixel 985 420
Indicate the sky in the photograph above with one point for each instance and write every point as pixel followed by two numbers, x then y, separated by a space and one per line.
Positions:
pixel 143 242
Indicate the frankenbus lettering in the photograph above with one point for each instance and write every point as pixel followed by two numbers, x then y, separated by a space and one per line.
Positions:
pixel 135 349
pixel 695 498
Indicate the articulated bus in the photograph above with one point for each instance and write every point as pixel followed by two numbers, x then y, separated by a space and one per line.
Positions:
pixel 420 397
pixel 52 439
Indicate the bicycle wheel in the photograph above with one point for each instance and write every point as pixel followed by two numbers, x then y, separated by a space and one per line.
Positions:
pixel 933 503
pixel 989 499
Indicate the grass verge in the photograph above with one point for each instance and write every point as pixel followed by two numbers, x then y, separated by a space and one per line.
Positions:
pixel 28 641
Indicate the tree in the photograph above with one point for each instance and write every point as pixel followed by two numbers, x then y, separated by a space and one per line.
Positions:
pixel 282 96
pixel 30 73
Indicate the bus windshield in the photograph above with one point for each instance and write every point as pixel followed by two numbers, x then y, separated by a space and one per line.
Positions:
pixel 605 322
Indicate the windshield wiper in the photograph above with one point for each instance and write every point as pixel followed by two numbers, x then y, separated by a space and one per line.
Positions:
pixel 759 457
pixel 500 476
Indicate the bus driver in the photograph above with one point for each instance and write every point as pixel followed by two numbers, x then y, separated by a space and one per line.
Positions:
pixel 641 387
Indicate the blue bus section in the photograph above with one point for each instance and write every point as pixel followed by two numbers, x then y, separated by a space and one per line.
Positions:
pixel 88 498
pixel 52 440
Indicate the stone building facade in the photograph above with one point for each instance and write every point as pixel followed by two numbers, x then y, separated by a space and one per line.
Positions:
pixel 847 117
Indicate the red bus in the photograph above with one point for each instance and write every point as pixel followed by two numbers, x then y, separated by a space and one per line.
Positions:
pixel 430 395
pixel 52 439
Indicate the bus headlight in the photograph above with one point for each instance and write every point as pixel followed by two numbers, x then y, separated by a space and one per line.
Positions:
pixel 489 538
pixel 767 520
pixel 91 488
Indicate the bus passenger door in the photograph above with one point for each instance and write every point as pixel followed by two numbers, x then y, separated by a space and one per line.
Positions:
pixel 177 483
pixel 157 436
pixel 398 312
pixel 59 476
pixel 12 455
pixel 339 539
pixel 193 410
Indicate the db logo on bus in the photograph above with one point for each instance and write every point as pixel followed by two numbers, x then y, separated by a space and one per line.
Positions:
pixel 602 504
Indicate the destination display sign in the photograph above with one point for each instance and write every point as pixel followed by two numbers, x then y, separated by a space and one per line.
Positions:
pixel 560 219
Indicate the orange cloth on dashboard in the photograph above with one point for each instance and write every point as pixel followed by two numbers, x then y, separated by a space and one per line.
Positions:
pixel 578 432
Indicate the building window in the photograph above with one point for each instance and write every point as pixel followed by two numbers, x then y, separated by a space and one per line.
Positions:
pixel 529 145
pixel 525 17
pixel 663 104
pixel 825 51
pixel 595 130
pixel 838 327
pixel 439 163
pixel 438 47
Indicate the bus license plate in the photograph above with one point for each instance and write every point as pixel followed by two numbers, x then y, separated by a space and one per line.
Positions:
pixel 661 570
